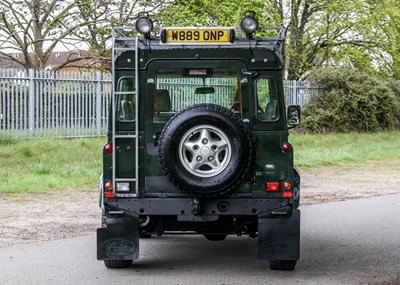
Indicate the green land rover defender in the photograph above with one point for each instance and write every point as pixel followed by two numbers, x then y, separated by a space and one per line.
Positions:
pixel 198 141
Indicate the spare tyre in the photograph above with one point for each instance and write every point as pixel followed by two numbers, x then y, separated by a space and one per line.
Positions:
pixel 206 150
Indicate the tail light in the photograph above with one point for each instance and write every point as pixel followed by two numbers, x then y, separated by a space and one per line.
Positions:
pixel 108 194
pixel 287 194
pixel 108 190
pixel 108 148
pixel 272 186
pixel 287 147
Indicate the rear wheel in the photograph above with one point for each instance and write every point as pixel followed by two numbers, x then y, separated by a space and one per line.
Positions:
pixel 283 264
pixel 117 263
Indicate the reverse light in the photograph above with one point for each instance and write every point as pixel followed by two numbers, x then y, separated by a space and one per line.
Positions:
pixel 123 187
pixel 287 147
pixel 272 186
pixel 108 148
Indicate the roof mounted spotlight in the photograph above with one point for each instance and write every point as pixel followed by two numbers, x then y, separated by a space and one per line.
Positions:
pixel 144 25
pixel 249 23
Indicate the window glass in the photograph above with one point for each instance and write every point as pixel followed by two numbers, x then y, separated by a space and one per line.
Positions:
pixel 267 100
pixel 177 89
pixel 126 99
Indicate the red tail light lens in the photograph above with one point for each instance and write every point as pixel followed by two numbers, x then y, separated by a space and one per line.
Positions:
pixel 108 190
pixel 287 147
pixel 287 194
pixel 108 148
pixel 108 194
pixel 272 186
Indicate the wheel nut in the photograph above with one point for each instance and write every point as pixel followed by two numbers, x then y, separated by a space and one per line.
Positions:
pixel 204 141
pixel 199 158
pixel 210 158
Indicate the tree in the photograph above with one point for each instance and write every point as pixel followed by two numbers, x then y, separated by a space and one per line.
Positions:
pixel 326 32
pixel 96 32
pixel 385 17
pixel 35 28
pixel 215 13
pixel 319 32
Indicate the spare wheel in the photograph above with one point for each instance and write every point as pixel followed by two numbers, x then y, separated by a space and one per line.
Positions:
pixel 205 150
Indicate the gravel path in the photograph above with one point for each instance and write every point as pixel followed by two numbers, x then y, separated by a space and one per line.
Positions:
pixel 70 213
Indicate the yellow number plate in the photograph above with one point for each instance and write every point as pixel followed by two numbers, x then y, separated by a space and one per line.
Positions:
pixel 193 35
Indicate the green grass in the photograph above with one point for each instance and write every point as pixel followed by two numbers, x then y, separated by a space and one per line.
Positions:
pixel 45 165
pixel 339 149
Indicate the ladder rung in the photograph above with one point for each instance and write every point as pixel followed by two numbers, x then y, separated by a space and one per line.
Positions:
pixel 125 136
pixel 124 92
pixel 125 179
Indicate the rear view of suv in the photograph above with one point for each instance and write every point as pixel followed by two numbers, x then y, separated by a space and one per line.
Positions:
pixel 198 141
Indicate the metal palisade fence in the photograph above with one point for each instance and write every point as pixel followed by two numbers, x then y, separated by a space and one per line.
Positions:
pixel 75 104
pixel 53 104
pixel 300 92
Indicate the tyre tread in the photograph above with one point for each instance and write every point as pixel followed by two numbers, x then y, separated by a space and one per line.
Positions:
pixel 117 263
pixel 283 264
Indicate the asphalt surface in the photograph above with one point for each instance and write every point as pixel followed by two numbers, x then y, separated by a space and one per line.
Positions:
pixel 350 242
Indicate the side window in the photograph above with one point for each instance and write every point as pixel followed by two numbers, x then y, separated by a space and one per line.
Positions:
pixel 267 100
pixel 126 99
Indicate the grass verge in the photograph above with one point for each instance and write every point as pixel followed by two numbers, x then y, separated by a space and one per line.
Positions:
pixel 338 149
pixel 44 165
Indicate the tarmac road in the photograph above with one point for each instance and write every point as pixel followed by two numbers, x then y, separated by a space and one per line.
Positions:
pixel 350 242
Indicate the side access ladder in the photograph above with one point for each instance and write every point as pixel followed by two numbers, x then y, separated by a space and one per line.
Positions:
pixel 118 36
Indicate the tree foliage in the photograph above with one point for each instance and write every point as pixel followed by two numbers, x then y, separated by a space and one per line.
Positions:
pixel 353 101
pixel 215 13
pixel 362 34
pixel 35 28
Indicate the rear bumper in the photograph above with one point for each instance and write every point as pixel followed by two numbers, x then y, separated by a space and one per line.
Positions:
pixel 189 209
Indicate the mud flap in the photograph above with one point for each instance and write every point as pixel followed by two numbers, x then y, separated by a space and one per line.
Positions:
pixel 119 240
pixel 279 237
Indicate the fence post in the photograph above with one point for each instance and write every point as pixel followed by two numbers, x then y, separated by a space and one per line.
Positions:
pixel 31 110
pixel 98 103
